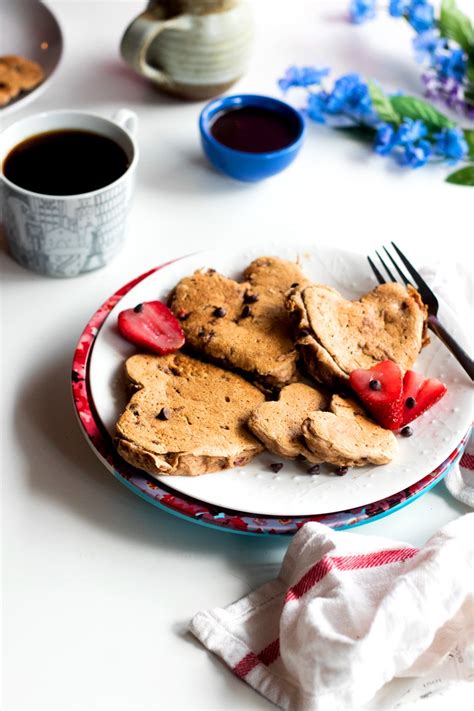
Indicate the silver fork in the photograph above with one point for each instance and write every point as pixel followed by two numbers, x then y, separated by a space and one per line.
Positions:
pixel 428 298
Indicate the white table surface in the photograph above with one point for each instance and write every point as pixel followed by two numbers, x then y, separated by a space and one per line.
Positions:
pixel 98 586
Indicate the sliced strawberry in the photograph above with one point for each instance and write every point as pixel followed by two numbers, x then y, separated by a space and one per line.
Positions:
pixel 419 394
pixel 380 390
pixel 153 326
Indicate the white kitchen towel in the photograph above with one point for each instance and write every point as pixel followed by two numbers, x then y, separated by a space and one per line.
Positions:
pixel 347 614
pixel 460 479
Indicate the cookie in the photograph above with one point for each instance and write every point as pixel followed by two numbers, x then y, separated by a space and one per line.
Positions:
pixel 187 417
pixel 9 84
pixel 336 336
pixel 346 437
pixel 28 73
pixel 278 424
pixel 242 325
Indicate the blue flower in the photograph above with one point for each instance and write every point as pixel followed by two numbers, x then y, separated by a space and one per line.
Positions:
pixel 361 10
pixel 451 144
pixel 398 8
pixel 316 107
pixel 384 139
pixel 407 143
pixel 428 45
pixel 451 64
pixel 415 155
pixel 302 76
pixel 421 15
pixel 410 131
pixel 350 96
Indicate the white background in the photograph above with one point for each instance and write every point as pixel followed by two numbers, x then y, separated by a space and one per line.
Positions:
pixel 98 586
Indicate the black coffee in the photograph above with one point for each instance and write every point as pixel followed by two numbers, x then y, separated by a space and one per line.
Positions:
pixel 65 162
pixel 255 130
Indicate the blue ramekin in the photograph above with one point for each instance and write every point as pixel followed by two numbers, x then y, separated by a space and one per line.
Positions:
pixel 242 165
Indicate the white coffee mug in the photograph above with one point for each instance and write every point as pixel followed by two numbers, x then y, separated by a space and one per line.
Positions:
pixel 65 235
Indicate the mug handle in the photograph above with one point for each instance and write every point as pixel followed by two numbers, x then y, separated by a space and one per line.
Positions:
pixel 126 119
pixel 139 36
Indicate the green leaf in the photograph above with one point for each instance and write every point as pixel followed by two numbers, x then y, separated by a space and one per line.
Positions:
pixel 465 176
pixel 382 105
pixel 470 71
pixel 469 136
pixel 455 25
pixel 364 134
pixel 411 107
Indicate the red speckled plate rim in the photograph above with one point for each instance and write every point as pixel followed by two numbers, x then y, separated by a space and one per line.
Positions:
pixel 166 498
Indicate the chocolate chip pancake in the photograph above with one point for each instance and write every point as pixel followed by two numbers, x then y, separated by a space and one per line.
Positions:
pixel 336 336
pixel 278 424
pixel 242 325
pixel 346 437
pixel 187 417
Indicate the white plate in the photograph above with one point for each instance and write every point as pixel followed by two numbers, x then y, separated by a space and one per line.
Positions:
pixel 292 492
pixel 30 29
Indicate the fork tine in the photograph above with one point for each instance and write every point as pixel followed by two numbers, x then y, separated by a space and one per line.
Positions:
pixel 378 275
pixel 418 279
pixel 402 275
pixel 390 275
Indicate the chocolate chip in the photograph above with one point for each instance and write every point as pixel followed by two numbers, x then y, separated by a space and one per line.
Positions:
pixel 305 332
pixel 301 457
pixel 250 298
pixel 314 469
pixel 340 471
pixel 410 402
pixel 138 308
pixel 219 312
pixel 164 414
pixel 295 284
pixel 406 431
pixel 245 312
pixel 211 271
pixel 201 333
pixel 375 385
pixel 276 466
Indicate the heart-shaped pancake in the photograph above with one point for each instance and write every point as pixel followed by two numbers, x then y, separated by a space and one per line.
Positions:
pixel 336 336
pixel 187 417
pixel 346 437
pixel 242 325
pixel 278 423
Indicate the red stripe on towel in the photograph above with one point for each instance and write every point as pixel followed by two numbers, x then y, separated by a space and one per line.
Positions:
pixel 271 652
pixel 267 656
pixel 246 665
pixel 467 461
pixel 348 562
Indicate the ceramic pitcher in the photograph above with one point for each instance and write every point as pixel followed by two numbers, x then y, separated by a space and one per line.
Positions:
pixel 194 49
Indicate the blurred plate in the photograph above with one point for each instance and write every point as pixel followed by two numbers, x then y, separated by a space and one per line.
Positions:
pixel 29 29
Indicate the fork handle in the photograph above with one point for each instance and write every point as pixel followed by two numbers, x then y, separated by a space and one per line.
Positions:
pixel 458 352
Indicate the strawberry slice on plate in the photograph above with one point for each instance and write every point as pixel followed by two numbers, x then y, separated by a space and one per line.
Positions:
pixel 153 326
pixel 419 394
pixel 381 391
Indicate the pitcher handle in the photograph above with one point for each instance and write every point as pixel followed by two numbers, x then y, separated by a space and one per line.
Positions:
pixel 139 36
